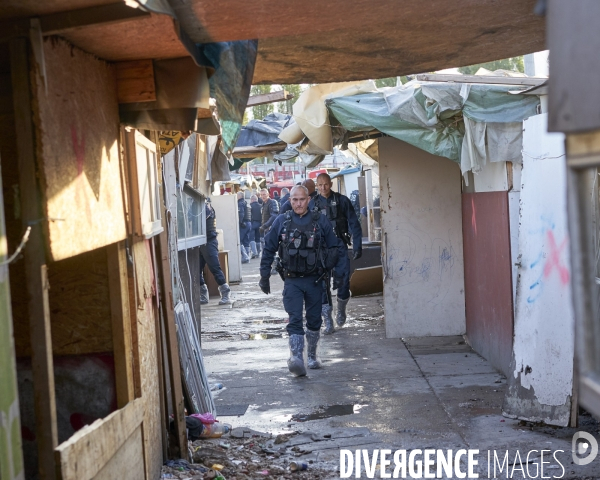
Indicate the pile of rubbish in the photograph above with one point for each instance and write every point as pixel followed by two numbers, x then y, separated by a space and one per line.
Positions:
pixel 247 454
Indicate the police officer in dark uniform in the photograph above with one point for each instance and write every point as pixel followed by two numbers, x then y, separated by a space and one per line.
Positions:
pixel 255 223
pixel 307 247
pixel 209 254
pixel 244 217
pixel 341 214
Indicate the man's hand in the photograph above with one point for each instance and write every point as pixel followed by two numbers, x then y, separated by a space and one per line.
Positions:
pixel 265 285
pixel 261 230
pixel 337 282
pixel 357 254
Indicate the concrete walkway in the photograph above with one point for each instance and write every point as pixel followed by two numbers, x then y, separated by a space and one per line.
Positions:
pixel 373 392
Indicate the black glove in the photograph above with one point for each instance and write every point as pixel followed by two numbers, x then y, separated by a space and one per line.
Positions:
pixel 357 254
pixel 337 282
pixel 265 285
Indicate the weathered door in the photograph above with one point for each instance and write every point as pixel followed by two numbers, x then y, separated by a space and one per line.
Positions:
pixel 541 383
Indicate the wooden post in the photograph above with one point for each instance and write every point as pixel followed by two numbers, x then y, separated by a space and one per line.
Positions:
pixel 118 284
pixel 168 310
pixel 35 262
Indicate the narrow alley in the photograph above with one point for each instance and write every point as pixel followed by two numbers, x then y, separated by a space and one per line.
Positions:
pixel 373 392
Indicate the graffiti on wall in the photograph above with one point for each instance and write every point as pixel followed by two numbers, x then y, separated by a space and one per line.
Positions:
pixel 550 261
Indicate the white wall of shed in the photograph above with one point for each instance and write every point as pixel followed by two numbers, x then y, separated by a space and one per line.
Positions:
pixel 421 216
pixel 491 178
pixel 227 220
pixel 543 346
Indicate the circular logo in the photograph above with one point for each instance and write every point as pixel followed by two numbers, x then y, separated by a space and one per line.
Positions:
pixel 584 448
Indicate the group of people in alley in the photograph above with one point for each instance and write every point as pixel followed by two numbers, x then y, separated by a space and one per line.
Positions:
pixel 304 238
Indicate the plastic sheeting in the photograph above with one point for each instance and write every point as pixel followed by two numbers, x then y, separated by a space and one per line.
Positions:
pixel 438 117
pixel 264 132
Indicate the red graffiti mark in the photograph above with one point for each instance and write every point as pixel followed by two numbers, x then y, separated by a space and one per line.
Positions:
pixel 554 259
pixel 79 150
pixel 473 216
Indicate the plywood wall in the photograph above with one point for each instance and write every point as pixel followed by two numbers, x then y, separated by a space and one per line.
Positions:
pixel 79 307
pixel 422 242
pixel 77 127
pixel 148 355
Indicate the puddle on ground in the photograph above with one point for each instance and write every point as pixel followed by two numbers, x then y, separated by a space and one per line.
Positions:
pixel 260 336
pixel 326 412
pixel 278 320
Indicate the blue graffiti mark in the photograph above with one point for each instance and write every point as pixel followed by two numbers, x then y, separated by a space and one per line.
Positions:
pixel 531 287
pixel 446 259
pixel 537 260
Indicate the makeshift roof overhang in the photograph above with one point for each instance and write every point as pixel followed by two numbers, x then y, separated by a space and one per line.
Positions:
pixel 315 42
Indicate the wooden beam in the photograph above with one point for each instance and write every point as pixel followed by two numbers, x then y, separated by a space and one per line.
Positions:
pixel 113 13
pixel 441 77
pixel 83 455
pixel 118 284
pixel 251 152
pixel 135 81
pixel 35 262
pixel 56 23
pixel 168 315
pixel 263 98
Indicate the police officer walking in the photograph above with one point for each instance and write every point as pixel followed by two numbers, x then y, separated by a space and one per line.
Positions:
pixel 244 217
pixel 307 247
pixel 270 210
pixel 209 254
pixel 341 214
pixel 255 223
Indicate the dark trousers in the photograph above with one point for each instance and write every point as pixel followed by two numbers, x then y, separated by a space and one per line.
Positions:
pixel 209 254
pixel 342 269
pixel 255 233
pixel 245 234
pixel 299 293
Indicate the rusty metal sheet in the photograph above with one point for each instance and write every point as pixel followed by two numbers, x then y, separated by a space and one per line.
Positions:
pixel 488 281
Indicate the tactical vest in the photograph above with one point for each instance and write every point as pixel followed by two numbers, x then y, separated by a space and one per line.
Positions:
pixel 256 212
pixel 299 247
pixel 335 214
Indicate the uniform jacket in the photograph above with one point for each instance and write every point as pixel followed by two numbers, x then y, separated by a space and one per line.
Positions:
pixel 272 239
pixel 270 210
pixel 347 210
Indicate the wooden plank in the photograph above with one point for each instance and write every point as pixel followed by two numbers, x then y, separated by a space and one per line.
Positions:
pixel 84 455
pixel 55 23
pixel 135 81
pixel 168 310
pixel 121 322
pixel 129 458
pixel 251 152
pixel 35 263
pixel 264 98
pixel 442 77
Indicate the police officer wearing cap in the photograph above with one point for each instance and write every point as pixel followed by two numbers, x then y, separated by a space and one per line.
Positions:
pixel 307 247
pixel 340 212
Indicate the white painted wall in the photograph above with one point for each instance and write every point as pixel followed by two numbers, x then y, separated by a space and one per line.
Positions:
pixel 491 178
pixel 543 344
pixel 422 242
pixel 513 219
pixel 227 220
